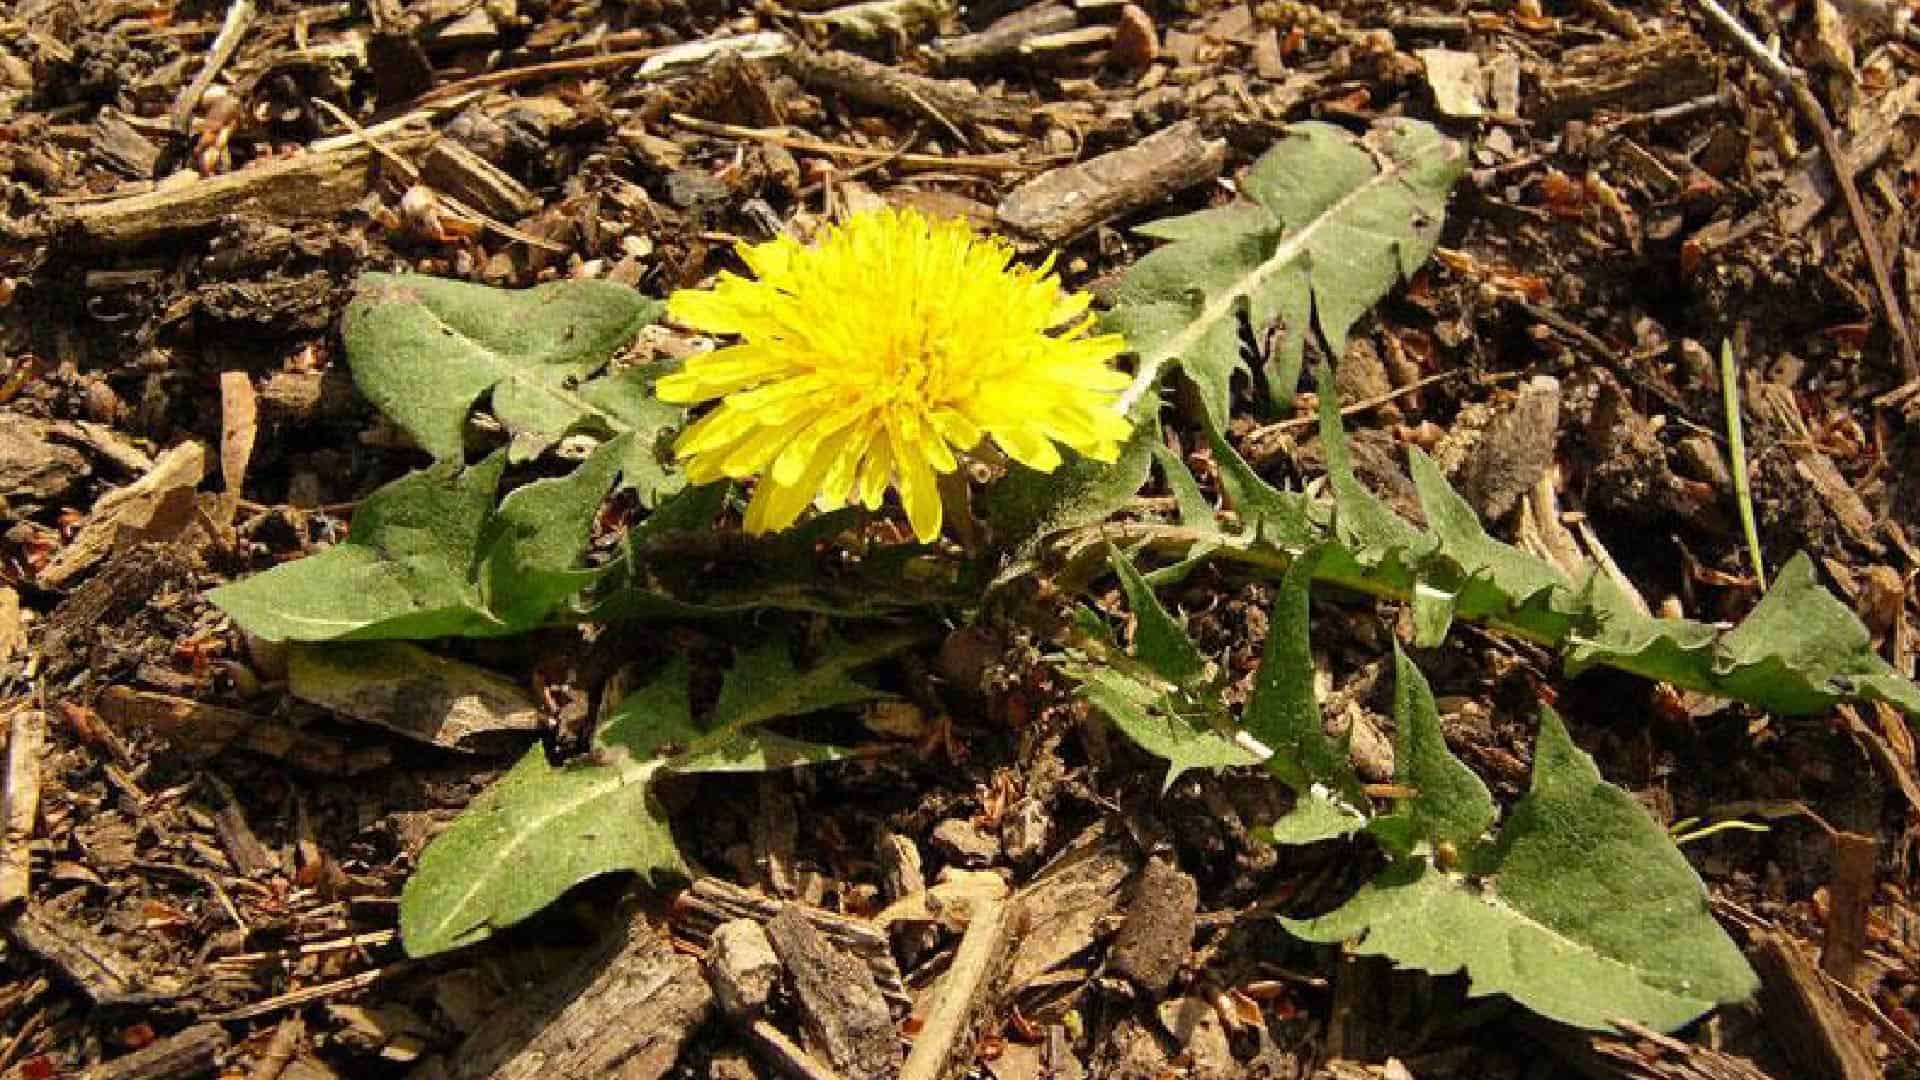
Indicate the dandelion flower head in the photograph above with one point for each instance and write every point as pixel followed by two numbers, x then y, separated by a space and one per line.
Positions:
pixel 869 359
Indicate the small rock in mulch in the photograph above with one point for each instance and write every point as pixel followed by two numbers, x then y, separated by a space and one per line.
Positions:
pixel 1158 930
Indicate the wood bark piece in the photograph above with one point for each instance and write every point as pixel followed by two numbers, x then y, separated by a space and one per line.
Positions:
pixel 966 998
pixel 1057 206
pixel 711 901
pixel 624 1011
pixel 90 964
pixel 1515 450
pixel 1002 40
pixel 33 468
pixel 159 506
pixel 838 1000
pixel 299 188
pixel 1064 905
pixel 1646 1055
pixel 784 1054
pixel 1850 894
pixel 1808 1023
pixel 1158 931
pixel 472 179
pixel 199 730
pixel 122 587
pixel 1629 76
pixel 414 693
pixel 742 968
pixel 20 802
pixel 859 79
pixel 189 1053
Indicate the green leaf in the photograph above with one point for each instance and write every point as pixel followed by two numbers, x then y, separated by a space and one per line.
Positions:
pixel 405 569
pixel 425 349
pixel 1185 729
pixel 1281 711
pixel 1195 511
pixel 1273 517
pixel 1332 223
pixel 1450 805
pixel 1317 815
pixel 1587 913
pixel 535 540
pixel 1158 641
pixel 543 829
pixel 537 832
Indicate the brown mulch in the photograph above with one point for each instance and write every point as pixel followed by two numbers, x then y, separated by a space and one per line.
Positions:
pixel 205 876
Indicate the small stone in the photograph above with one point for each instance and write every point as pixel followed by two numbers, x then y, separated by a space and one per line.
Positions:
pixel 1158 930
pixel 964 844
pixel 1135 41
pixel 742 968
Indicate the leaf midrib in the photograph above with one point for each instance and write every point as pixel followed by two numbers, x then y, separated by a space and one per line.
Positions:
pixel 624 773
pixel 1226 304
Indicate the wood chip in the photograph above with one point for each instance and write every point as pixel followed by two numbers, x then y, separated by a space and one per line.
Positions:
pixel 1515 450
pixel 1001 41
pixel 841 1006
pixel 20 802
pixel 966 997
pixel 1065 904
pixel 239 425
pixel 858 79
pixel 159 506
pixel 1629 76
pixel 625 1011
pixel 92 965
pixel 1457 82
pixel 1849 897
pixel 282 190
pixel 1057 206
pixel 1807 1021
pixel 189 1053
pixel 33 469
pixel 13 629
pixel 711 901
pixel 199 730
pixel 1158 932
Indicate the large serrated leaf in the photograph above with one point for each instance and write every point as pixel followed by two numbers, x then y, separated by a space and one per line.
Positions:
pixel 405 569
pixel 1587 913
pixel 1449 805
pixel 430 556
pixel 543 829
pixel 1282 712
pixel 1334 221
pixel 425 350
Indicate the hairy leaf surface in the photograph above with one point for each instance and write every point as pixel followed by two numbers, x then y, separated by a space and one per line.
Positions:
pixel 544 828
pixel 1583 910
pixel 1331 223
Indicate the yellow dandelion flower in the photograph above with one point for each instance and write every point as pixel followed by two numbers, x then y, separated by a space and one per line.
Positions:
pixel 867 360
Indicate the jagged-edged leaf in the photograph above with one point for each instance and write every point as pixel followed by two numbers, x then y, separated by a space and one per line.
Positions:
pixel 1586 912
pixel 1159 642
pixel 544 828
pixel 1364 525
pixel 425 350
pixel 1282 713
pixel 1450 805
pixel 1332 223
pixel 537 832
pixel 429 555
pixel 1279 518
pixel 1191 503
pixel 1488 578
pixel 1317 814
pixel 405 569
pixel 1187 729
